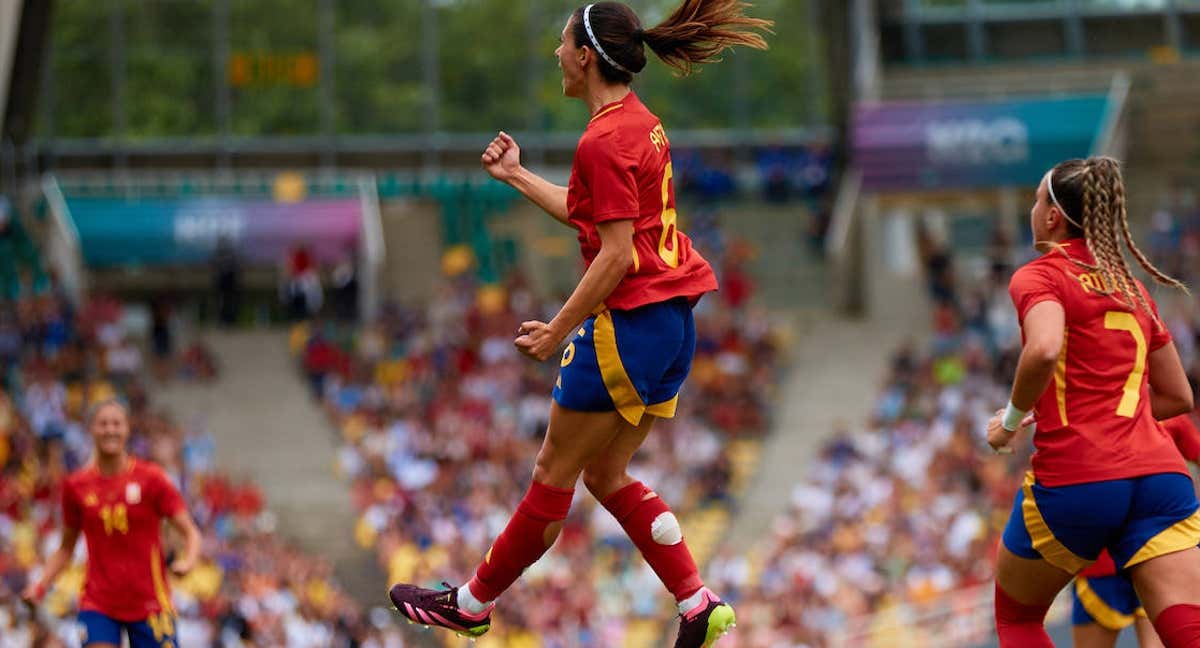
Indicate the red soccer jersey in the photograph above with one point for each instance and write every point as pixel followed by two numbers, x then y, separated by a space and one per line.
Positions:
pixel 622 171
pixel 120 516
pixel 1094 421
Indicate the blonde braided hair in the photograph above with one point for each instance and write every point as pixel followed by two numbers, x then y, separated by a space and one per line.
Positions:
pixel 1096 188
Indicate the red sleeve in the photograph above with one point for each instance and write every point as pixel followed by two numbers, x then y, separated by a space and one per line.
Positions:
pixel 610 172
pixel 71 510
pixel 1187 438
pixel 167 500
pixel 1031 285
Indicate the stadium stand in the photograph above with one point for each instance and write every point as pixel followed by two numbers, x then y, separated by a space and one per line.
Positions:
pixel 251 585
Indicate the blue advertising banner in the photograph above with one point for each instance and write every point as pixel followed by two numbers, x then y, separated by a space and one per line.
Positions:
pixel 186 231
pixel 905 146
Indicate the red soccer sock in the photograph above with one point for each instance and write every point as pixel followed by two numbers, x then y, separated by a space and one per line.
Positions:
pixel 522 542
pixel 1179 626
pixel 656 533
pixel 1019 625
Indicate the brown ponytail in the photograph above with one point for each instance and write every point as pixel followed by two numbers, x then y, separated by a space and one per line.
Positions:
pixel 699 30
pixel 694 34
pixel 1095 185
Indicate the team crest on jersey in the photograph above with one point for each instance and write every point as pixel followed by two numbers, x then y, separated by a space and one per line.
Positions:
pixel 133 493
pixel 91 500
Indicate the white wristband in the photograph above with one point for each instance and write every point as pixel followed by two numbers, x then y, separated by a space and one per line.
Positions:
pixel 1012 417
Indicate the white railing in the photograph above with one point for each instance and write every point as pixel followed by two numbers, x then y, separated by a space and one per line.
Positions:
pixel 372 249
pixel 63 253
pixel 1114 132
pixel 845 262
pixel 959 619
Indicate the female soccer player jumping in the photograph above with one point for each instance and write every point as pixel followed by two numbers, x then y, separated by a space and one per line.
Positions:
pixel 1097 368
pixel 629 319
pixel 118 503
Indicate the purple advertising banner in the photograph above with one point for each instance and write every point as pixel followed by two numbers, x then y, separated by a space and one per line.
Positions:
pixel 168 232
pixel 905 146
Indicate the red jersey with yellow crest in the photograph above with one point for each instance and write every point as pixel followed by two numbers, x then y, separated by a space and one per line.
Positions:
pixel 120 517
pixel 1094 421
pixel 622 171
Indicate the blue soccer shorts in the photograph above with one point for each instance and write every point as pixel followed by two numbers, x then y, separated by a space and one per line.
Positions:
pixel 158 631
pixel 1135 519
pixel 1108 601
pixel 629 361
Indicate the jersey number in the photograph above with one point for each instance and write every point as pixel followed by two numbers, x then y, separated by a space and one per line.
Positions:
pixel 1132 393
pixel 115 519
pixel 668 241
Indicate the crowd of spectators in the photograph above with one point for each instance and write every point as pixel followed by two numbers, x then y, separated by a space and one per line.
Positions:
pixel 439 421
pixel 250 589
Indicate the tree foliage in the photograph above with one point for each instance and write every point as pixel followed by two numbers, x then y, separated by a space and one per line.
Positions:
pixel 495 62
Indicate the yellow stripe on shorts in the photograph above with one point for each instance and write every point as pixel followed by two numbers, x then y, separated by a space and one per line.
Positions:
pixel 1044 542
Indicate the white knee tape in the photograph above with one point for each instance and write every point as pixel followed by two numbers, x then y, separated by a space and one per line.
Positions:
pixel 665 529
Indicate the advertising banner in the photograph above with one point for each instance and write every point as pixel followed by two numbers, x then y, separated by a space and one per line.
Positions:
pixel 115 232
pixel 908 146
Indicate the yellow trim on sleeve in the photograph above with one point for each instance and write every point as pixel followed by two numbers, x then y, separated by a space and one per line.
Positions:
pixel 1044 542
pixel 620 388
pixel 1104 614
pixel 665 409
pixel 1180 536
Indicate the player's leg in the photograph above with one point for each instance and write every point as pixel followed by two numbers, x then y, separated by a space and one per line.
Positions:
pixel 1167 587
pixel 572 440
pixel 1025 589
pixel 1093 635
pixel 1158 548
pixel 656 533
pixel 1034 564
pixel 1146 634
pixel 99 631
pixel 644 515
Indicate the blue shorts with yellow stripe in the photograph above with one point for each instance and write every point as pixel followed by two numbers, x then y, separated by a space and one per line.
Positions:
pixel 629 361
pixel 158 631
pixel 1108 601
pixel 1135 519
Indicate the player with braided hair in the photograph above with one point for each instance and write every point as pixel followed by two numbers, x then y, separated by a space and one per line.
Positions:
pixel 629 321
pixel 1097 369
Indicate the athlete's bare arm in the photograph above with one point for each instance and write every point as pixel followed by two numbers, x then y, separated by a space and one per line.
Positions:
pixel 1170 393
pixel 502 160
pixel 1043 329
pixel 182 522
pixel 55 564
pixel 539 340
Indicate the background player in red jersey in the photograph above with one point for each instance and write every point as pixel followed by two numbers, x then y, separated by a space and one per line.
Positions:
pixel 118 503
pixel 1105 602
pixel 630 316
pixel 1097 368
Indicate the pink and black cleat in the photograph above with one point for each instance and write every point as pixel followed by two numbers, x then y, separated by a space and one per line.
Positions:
pixel 704 624
pixel 439 608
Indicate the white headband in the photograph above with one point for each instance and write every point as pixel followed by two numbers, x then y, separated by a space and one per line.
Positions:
pixel 587 24
pixel 1050 190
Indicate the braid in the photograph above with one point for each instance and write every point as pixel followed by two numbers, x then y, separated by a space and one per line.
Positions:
pixel 1107 202
pixel 1152 270
pixel 1099 237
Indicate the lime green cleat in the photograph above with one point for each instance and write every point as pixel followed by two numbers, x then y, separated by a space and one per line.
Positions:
pixel 704 624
